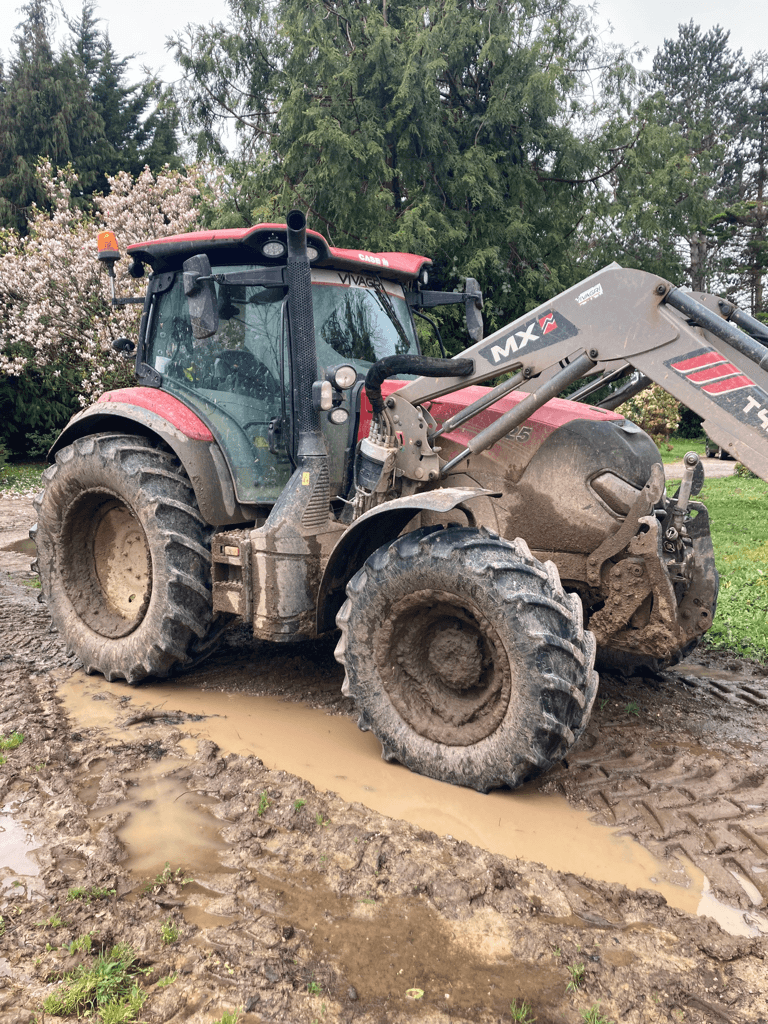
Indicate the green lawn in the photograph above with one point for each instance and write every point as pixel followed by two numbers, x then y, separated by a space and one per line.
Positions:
pixel 20 477
pixel 675 448
pixel 738 511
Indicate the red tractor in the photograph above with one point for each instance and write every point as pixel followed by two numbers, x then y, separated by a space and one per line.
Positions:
pixel 290 459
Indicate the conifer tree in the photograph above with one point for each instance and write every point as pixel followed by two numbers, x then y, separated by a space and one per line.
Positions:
pixel 44 111
pixel 455 129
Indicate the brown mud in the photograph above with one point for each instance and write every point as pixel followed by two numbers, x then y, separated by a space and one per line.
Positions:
pixel 330 886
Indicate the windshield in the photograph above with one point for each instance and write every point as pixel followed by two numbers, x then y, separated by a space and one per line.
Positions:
pixel 235 376
pixel 352 322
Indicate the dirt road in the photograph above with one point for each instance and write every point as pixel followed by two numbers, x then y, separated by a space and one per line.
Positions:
pixel 308 907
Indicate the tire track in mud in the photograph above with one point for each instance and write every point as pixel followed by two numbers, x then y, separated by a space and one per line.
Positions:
pixel 332 896
pixel 678 762
pixel 687 793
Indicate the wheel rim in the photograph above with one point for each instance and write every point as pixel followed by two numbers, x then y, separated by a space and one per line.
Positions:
pixel 106 564
pixel 444 667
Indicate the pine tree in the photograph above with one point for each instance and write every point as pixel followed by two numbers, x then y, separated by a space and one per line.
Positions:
pixel 44 111
pixel 454 130
pixel 704 85
pixel 139 121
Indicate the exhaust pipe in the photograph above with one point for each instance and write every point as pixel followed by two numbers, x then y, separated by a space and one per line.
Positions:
pixel 302 328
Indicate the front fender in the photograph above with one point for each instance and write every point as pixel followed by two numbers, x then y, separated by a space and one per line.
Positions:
pixel 190 440
pixel 374 529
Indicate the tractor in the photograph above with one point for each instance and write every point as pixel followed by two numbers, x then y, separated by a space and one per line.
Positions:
pixel 289 459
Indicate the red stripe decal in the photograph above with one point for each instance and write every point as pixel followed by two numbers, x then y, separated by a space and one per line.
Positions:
pixel 713 373
pixel 731 384
pixel 707 359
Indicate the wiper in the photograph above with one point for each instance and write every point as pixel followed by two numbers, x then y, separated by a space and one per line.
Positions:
pixel 389 309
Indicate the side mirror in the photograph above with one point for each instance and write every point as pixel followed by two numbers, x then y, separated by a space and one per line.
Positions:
pixel 201 296
pixel 473 303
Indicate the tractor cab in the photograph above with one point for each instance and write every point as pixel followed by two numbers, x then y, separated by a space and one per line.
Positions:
pixel 239 377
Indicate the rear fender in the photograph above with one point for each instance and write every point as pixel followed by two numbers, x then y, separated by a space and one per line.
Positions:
pixel 190 440
pixel 371 531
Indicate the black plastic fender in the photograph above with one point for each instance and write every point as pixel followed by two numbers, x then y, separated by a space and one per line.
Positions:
pixel 379 526
pixel 202 459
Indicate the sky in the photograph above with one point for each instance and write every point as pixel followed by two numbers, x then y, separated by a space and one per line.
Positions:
pixel 142 26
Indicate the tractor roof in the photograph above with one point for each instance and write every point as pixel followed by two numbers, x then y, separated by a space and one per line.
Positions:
pixel 238 244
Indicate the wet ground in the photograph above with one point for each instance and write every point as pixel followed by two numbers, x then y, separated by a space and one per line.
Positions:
pixel 309 881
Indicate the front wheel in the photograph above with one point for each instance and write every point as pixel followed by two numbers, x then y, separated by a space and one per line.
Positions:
pixel 124 557
pixel 466 658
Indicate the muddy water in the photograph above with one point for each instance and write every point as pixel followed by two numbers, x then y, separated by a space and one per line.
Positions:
pixel 172 824
pixel 16 845
pixel 24 547
pixel 334 755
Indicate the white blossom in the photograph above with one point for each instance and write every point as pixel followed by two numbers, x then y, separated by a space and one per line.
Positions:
pixel 55 296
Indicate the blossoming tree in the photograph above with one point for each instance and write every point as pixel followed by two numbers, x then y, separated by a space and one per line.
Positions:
pixel 55 309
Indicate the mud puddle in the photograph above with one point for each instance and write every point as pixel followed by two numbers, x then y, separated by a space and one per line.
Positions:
pixel 17 847
pixel 23 547
pixel 166 822
pixel 331 753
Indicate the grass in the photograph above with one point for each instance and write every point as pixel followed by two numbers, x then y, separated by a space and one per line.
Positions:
pixel 674 448
pixel 169 933
pixel 109 985
pixel 228 1017
pixel 94 892
pixel 264 803
pixel 576 972
pixel 593 1016
pixel 738 512
pixel 21 477
pixel 12 741
pixel 521 1014
pixel 83 942
pixel 170 876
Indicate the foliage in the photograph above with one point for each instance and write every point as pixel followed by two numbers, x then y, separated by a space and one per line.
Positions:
pixel 229 1017
pixel 44 111
pixel 108 985
pixel 462 130
pixel 654 409
pixel 139 121
pixel 76 108
pixel 35 405
pixel 55 312
pixel 171 876
pixel 169 932
pixel 673 195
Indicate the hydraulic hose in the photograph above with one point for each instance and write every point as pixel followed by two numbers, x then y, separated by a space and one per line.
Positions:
pixel 424 366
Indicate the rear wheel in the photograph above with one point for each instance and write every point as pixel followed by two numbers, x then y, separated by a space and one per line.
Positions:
pixel 124 557
pixel 466 658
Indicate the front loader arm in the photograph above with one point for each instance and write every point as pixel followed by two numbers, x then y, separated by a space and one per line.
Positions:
pixel 622 318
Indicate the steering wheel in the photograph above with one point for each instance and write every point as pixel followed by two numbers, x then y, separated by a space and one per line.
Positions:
pixel 251 370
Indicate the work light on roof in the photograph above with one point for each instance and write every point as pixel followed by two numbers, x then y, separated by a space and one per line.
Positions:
pixel 273 248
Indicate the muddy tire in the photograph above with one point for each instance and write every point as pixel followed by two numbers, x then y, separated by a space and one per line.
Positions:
pixel 466 658
pixel 124 558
